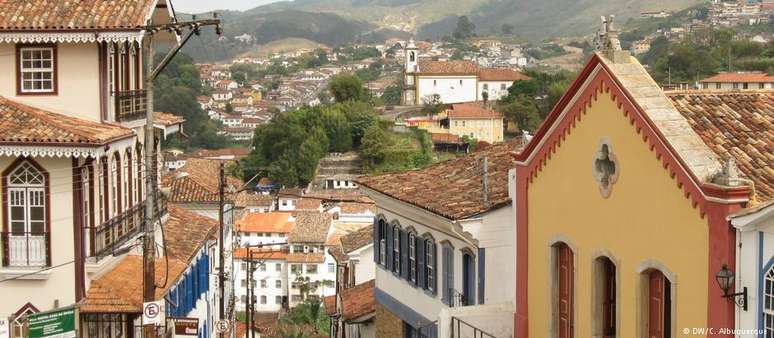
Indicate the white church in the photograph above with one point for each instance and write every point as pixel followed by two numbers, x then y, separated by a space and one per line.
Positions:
pixel 453 81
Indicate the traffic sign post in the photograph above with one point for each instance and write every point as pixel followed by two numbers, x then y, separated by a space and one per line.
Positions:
pixel 152 314
pixel 222 326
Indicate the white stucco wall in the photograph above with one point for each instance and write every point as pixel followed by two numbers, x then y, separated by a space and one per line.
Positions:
pixel 452 89
pixel 271 276
pixel 55 285
pixel 752 259
pixel 363 262
pixel 495 89
pixel 78 80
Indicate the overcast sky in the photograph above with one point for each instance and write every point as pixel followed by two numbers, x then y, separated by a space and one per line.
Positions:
pixel 198 6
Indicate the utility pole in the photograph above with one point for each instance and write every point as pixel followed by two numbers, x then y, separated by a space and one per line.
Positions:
pixel 249 304
pixel 221 277
pixel 149 244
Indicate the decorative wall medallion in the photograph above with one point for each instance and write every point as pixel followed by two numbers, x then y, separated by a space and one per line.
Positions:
pixel 605 167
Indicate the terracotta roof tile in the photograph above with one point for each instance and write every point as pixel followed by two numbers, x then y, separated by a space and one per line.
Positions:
pixel 357 239
pixel 471 111
pixel 329 302
pixel 311 227
pixel 740 77
pixel 186 232
pixel 501 74
pixel 276 222
pixel 167 119
pixel 300 257
pixel 22 124
pixel 444 138
pixel 246 199
pixel 448 67
pixel 738 124
pixel 62 15
pixel 120 289
pixel 196 181
pixel 454 188
pixel 308 204
pixel 262 253
pixel 358 301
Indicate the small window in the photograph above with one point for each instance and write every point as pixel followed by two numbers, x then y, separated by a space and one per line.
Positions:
pixel 744 85
pixel 311 268
pixel 278 284
pixel 263 267
pixel 263 284
pixel 430 264
pixel 278 267
pixel 37 69
pixel 277 300
pixel 717 85
pixel 705 85
pixel 736 85
pixel 263 299
pixel 331 268
pixel 412 257
pixel 503 86
pixel 460 83
pixel 486 86
pixel 395 249
pixel 760 85
pixel 435 82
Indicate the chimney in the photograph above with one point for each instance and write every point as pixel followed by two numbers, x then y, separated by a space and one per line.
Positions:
pixel 486 180
pixel 606 42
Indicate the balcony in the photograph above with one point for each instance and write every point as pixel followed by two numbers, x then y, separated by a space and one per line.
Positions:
pixel 457 299
pixel 116 231
pixel 130 105
pixel 26 249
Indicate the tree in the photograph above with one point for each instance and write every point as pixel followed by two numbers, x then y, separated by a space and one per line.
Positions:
pixel 392 95
pixel 338 129
pixel 432 104
pixel 464 29
pixel 375 144
pixel 346 87
pixel 229 108
pixel 507 29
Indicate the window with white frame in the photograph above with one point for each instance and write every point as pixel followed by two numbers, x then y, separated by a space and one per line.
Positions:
pixel 37 69
pixel 430 263
pixel 331 268
pixel 768 304
pixel 278 284
pixel 278 267
pixel 26 210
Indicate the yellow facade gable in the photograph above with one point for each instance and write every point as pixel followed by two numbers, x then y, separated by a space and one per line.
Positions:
pixel 646 221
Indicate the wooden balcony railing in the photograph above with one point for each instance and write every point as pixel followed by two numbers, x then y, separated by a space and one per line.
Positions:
pixel 116 231
pixel 26 249
pixel 462 329
pixel 130 105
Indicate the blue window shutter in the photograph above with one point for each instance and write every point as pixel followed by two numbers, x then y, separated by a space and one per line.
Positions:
pixel 481 274
pixel 404 254
pixel 388 246
pixel 421 282
pixel 376 241
pixel 435 268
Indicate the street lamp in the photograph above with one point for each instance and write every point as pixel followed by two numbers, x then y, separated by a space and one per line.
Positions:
pixel 725 279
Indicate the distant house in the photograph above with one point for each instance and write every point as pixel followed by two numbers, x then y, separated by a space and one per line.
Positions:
pixel 452 81
pixel 739 80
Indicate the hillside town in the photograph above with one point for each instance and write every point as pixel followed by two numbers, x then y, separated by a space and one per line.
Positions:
pixel 618 184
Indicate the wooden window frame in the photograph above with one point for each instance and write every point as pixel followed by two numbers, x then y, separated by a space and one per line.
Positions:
pixel 412 251
pixel 47 207
pixel 54 64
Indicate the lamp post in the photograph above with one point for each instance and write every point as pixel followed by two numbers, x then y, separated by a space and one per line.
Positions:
pixel 725 279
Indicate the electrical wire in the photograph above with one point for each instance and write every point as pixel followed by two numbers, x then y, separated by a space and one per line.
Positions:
pixel 37 271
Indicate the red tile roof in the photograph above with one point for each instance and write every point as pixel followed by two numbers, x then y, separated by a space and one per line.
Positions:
pixel 448 67
pixel 444 138
pixel 186 232
pixel 310 227
pixel 330 304
pixel 120 289
pixel 247 199
pixel 454 188
pixel 358 239
pixel 738 124
pixel 740 77
pixel 300 257
pixel 262 253
pixel 501 74
pixel 471 111
pixel 196 182
pixel 63 15
pixel 358 301
pixel 23 124
pixel 167 119
pixel 276 222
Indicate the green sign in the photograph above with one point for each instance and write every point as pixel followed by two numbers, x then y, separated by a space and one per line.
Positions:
pixel 53 324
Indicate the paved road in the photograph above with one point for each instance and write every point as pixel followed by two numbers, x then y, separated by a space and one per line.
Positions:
pixel 397 111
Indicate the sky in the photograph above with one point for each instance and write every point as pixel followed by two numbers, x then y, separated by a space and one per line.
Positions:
pixel 198 6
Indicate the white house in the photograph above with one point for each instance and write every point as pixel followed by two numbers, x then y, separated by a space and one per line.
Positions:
pixel 452 81
pixel 738 80
pixel 72 120
pixel 270 279
pixel 312 269
pixel 443 245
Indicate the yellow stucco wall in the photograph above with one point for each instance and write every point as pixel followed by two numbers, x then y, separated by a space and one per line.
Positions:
pixel 490 131
pixel 645 218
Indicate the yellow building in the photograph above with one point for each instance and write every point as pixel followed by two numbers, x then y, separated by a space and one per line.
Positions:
pixel 475 121
pixel 621 215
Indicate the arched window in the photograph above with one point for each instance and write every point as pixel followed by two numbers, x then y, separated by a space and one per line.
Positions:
pixel 605 297
pixel 655 301
pixel 138 187
pixel 768 303
pixel 102 189
pixel 430 270
pixel 412 56
pixel 382 242
pixel 27 210
pixel 126 175
pixel 86 196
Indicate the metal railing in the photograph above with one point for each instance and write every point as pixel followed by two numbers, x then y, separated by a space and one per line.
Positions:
pixel 26 249
pixel 117 230
pixel 462 329
pixel 130 105
pixel 456 298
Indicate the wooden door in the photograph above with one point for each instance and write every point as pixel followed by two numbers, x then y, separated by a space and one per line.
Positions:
pixel 564 267
pixel 608 302
pixel 656 283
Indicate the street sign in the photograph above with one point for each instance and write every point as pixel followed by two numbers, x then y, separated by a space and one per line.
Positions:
pixel 186 326
pixel 222 326
pixel 151 313
pixel 52 324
